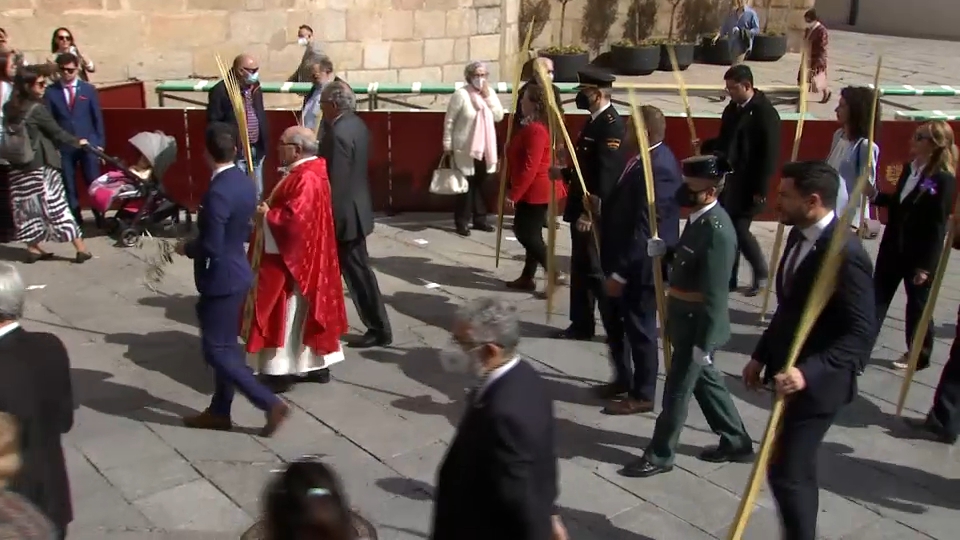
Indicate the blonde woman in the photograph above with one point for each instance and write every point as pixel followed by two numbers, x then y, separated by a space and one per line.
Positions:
pixel 19 519
pixel 917 219
pixel 470 137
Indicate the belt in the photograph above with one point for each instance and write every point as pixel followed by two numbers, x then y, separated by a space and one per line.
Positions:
pixel 685 296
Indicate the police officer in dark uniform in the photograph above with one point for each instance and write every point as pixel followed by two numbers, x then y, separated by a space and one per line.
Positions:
pixel 601 162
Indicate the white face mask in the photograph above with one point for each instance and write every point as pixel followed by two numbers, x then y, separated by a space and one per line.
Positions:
pixel 302 41
pixel 477 82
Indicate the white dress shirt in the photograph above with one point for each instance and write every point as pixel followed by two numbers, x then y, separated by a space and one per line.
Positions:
pixel 911 182
pixel 66 92
pixel 595 115
pixel 496 374
pixel 699 213
pixel 808 238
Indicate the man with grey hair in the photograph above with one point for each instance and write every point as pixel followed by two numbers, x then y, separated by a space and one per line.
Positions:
pixel 345 147
pixel 531 76
pixel 499 477
pixel 299 313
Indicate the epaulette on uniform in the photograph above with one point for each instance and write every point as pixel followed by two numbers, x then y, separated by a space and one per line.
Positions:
pixel 713 221
pixel 611 118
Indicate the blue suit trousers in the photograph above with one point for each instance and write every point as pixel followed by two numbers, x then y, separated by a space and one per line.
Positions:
pixel 74 159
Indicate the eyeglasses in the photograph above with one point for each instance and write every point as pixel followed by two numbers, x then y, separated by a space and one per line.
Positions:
pixel 251 70
pixel 68 71
pixel 64 37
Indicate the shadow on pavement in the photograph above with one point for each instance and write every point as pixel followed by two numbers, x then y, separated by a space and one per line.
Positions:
pixel 421 270
pixel 173 353
pixel 95 390
pixel 438 310
pixel 176 307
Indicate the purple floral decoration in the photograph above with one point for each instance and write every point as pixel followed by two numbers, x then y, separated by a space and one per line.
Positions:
pixel 928 186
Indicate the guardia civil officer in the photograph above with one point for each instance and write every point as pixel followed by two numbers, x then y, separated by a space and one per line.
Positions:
pixel 601 162
pixel 698 324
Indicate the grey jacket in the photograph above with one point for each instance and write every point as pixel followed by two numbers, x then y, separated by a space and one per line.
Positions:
pixel 45 134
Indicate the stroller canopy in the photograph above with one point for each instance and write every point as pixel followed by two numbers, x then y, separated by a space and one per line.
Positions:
pixel 159 148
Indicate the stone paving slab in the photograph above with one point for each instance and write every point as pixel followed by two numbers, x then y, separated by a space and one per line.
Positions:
pixel 386 419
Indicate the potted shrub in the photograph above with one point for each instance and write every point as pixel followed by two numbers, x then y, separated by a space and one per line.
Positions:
pixel 567 60
pixel 636 54
pixel 771 44
pixel 683 46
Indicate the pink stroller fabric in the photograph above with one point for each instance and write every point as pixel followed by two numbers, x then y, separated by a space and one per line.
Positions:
pixel 105 189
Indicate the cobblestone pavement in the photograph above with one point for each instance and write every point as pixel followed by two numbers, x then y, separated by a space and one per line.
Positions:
pixel 386 418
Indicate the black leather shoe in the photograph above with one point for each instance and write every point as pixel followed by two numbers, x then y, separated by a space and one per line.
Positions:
pixel 643 469
pixel 319 376
pixel 371 339
pixel 726 455
pixel 756 288
pixel 463 231
pixel 573 333
pixel 933 429
pixel 485 227
pixel 278 384
pixel 33 257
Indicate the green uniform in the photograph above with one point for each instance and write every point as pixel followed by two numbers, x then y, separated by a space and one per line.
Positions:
pixel 701 266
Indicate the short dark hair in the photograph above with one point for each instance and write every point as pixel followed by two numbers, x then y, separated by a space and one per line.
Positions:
pixel 66 59
pixel 305 27
pixel 859 100
pixel 814 177
pixel 655 121
pixel 222 141
pixel 811 15
pixel 739 74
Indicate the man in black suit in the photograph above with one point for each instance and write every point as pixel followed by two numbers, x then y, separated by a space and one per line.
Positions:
pixel 499 476
pixel 631 320
pixel 824 378
pixel 35 388
pixel 219 109
pixel 601 162
pixel 345 147
pixel 750 140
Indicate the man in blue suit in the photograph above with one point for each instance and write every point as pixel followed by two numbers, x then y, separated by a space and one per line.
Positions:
pixel 223 277
pixel 631 321
pixel 76 107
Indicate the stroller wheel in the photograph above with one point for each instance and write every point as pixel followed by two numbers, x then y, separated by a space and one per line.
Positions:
pixel 112 225
pixel 129 237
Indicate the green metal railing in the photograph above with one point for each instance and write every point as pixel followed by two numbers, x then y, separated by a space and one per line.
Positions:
pixel 923 116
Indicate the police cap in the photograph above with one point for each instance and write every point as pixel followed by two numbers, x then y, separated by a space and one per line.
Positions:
pixel 708 167
pixel 593 77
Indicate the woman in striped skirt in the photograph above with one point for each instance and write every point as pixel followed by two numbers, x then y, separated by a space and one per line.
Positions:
pixel 37 195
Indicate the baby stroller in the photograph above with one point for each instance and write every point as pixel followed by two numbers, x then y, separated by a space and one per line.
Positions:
pixel 136 193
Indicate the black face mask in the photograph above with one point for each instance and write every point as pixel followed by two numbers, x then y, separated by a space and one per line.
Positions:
pixel 686 197
pixel 582 101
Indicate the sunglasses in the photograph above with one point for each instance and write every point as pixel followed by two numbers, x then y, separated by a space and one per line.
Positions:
pixel 64 37
pixel 251 70
pixel 921 137
pixel 69 71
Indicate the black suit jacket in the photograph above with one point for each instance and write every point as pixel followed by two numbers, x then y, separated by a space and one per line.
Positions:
pixel 750 139
pixel 601 161
pixel 345 147
pixel 35 388
pixel 917 226
pixel 625 221
pixel 219 109
pixel 499 477
pixel 842 338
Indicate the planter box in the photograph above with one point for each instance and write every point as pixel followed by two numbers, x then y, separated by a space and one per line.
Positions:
pixel 566 66
pixel 635 60
pixel 684 53
pixel 768 48
pixel 715 53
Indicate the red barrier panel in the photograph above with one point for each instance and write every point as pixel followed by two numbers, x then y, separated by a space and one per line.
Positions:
pixel 405 147
pixel 128 95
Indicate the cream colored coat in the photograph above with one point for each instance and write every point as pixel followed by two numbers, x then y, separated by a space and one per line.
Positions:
pixel 458 128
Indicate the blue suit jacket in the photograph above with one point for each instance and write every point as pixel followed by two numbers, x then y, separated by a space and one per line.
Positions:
pixel 624 221
pixel 85 121
pixel 220 265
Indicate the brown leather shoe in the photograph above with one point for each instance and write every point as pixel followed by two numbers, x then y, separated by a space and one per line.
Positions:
pixel 208 420
pixel 275 417
pixel 627 406
pixel 609 391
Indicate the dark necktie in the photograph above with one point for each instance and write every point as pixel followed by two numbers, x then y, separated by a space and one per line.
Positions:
pixel 792 261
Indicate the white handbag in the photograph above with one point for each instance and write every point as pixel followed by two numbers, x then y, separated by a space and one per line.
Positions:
pixel 447 180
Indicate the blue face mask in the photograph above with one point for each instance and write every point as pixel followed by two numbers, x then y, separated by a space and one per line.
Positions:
pixel 252 78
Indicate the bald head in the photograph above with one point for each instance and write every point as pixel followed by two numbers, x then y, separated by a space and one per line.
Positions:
pixel 247 69
pixel 296 132
pixel 296 143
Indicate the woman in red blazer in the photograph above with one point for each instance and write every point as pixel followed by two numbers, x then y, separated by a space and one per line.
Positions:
pixel 529 160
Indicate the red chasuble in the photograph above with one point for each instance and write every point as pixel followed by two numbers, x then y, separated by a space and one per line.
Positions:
pixel 301 222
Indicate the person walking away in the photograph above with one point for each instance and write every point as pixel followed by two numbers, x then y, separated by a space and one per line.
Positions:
pixel 740 27
pixel 698 297
pixel 470 137
pixel 19 518
pixel 312 53
pixel 246 69
pixel 918 213
pixel 529 159
pixel 223 277
pixel 824 378
pixel 37 198
pixel 817 39
pixel 62 42
pixel 750 140
pixel 849 153
pixel 498 478
pixel 601 162
pixel 299 314
pixel 345 147
pixel 75 106
pixel 36 390
pixel 631 321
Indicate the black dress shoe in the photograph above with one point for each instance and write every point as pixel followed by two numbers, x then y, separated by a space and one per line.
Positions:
pixel 33 257
pixel 575 334
pixel 278 384
pixel 643 469
pixel 933 429
pixel 463 231
pixel 485 227
pixel 319 376
pixel 717 454
pixel 756 288
pixel 371 339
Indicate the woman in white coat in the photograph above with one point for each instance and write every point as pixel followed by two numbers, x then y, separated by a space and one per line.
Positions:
pixel 470 136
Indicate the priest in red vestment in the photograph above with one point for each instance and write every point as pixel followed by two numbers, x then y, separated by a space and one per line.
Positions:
pixel 299 314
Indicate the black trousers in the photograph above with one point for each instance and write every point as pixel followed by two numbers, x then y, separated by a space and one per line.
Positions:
pixel 586 282
pixel 7 228
pixel 890 270
pixel 528 220
pixel 471 203
pixel 631 325
pixel 748 246
pixel 362 285
pixel 946 401
pixel 792 472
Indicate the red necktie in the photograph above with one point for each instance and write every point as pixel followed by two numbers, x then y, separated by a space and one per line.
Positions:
pixel 71 92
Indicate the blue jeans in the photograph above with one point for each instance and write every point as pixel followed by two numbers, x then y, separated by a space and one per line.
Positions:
pixel 257 169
